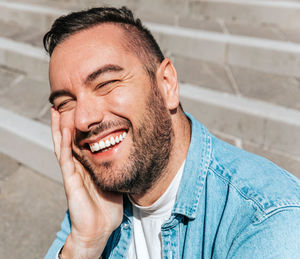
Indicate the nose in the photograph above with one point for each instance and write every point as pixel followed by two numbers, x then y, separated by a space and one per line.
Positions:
pixel 87 113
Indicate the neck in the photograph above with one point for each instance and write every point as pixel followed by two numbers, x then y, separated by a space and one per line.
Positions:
pixel 182 133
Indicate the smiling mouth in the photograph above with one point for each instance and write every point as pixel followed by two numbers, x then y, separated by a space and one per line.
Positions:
pixel 107 143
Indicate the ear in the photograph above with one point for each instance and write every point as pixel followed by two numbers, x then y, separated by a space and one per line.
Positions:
pixel 166 76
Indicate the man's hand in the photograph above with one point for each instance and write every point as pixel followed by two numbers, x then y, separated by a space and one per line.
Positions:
pixel 94 214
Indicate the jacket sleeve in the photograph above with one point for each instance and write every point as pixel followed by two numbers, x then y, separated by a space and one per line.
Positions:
pixel 61 237
pixel 276 236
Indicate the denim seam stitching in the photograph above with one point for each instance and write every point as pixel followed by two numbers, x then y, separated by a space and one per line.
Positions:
pixel 274 212
pixel 239 191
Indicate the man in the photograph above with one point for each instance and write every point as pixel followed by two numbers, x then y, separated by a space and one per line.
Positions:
pixel 142 178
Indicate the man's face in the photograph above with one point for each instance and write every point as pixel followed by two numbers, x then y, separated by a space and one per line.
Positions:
pixel 121 129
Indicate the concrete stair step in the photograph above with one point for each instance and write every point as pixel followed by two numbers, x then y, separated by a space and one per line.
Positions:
pixel 276 57
pixel 277 20
pixel 15 32
pixel 255 121
pixel 251 83
pixel 24 58
pixel 262 31
pixel 28 15
pixel 284 14
pixel 28 142
pixel 32 208
pixel 281 13
pixel 23 95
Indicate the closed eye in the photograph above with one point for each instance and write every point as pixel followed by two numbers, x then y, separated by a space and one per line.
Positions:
pixel 64 105
pixel 106 83
pixel 61 104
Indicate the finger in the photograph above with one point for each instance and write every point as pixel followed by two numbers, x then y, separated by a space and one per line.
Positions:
pixel 55 129
pixel 79 168
pixel 66 157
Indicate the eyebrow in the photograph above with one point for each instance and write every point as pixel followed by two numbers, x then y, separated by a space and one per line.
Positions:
pixel 59 93
pixel 91 77
pixel 107 68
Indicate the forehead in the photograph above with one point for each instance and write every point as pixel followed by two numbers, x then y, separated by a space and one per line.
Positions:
pixel 85 50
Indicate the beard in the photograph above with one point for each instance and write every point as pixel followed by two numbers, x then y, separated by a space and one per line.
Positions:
pixel 149 154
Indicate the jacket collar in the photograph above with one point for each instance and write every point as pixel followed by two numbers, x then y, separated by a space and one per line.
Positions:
pixel 195 171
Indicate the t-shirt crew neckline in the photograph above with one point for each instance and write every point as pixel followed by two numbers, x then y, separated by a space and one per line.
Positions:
pixel 165 203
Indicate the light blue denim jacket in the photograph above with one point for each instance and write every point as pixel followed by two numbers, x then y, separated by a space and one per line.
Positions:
pixel 230 204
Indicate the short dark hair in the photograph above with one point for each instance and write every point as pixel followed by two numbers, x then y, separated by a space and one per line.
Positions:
pixel 138 38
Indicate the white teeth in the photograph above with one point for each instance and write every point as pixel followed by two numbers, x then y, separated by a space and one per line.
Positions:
pixel 102 144
pixel 112 140
pixel 107 143
pixel 96 146
pixel 92 148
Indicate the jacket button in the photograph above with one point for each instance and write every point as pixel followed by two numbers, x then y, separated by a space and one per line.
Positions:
pixel 125 226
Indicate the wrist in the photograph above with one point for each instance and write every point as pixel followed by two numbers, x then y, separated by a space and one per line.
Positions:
pixel 77 248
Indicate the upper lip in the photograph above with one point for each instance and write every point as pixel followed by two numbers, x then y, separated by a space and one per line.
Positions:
pixel 99 137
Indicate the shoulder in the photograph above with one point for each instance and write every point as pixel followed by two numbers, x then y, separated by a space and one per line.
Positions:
pixel 257 179
pixel 251 205
pixel 275 237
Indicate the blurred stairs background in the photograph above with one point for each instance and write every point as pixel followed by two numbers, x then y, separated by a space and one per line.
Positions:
pixel 238 63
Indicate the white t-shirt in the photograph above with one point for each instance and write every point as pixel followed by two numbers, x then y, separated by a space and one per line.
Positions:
pixel 147 222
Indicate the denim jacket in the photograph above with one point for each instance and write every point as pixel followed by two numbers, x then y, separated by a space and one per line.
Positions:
pixel 230 204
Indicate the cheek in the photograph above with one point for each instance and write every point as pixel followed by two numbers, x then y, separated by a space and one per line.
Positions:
pixel 127 102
